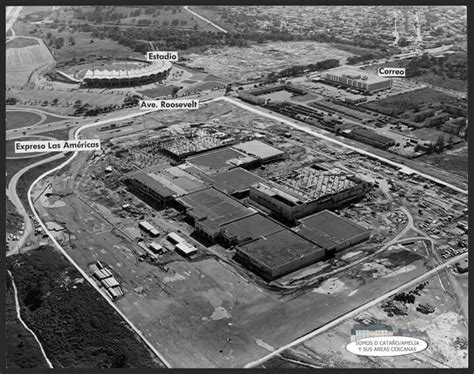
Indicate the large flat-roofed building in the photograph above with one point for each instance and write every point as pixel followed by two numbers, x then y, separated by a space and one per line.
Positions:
pixel 260 150
pixel 308 190
pixel 278 254
pixel 162 183
pixel 236 182
pixel 210 209
pixel 360 80
pixel 249 228
pixel 331 232
pixel 221 160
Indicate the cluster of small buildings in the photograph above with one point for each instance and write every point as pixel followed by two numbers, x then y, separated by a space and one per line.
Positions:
pixel 105 277
pixel 229 205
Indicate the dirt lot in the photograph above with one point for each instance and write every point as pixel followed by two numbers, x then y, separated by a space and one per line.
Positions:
pixel 241 64
pixel 446 328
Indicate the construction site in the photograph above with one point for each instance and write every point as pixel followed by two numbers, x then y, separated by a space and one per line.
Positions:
pixel 189 243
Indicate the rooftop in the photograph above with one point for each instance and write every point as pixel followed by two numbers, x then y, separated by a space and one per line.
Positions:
pixel 309 183
pixel 258 149
pixel 280 248
pixel 154 68
pixel 327 229
pixel 220 160
pixel 251 227
pixel 235 180
pixel 170 180
pixel 355 74
pixel 214 207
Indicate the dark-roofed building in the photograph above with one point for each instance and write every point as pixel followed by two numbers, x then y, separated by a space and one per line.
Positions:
pixel 371 137
pixel 236 182
pixel 332 232
pixel 209 209
pixel 249 228
pixel 278 254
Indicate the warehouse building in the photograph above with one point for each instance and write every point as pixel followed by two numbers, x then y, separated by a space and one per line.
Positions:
pixel 248 228
pixel 370 137
pixel 278 254
pixel 260 150
pixel 360 80
pixel 210 209
pixel 222 160
pixel 331 232
pixel 236 182
pixel 161 184
pixel 307 190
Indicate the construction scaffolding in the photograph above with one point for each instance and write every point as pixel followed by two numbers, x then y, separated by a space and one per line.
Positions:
pixel 312 184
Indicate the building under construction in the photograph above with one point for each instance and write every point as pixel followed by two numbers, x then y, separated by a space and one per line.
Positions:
pixel 190 144
pixel 307 190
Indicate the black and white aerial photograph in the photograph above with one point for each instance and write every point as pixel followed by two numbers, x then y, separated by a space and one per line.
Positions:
pixel 236 186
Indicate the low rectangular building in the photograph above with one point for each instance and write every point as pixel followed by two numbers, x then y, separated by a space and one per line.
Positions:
pixel 278 254
pixel 209 209
pixel 150 229
pixel 307 190
pixel 260 150
pixel 236 182
pixel 331 232
pixel 371 137
pixel 249 228
pixel 221 160
pixel 162 183
pixel 185 248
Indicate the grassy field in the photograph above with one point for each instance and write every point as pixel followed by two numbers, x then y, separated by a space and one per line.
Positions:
pixel 22 62
pixel 21 348
pixel 21 42
pixel 203 86
pixel 400 103
pixel 85 49
pixel 163 16
pixel 158 91
pixel 77 327
pixel 453 161
pixel 17 119
pixel 66 98
pixel 13 166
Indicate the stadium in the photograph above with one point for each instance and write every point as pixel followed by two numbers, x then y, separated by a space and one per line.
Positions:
pixel 126 73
